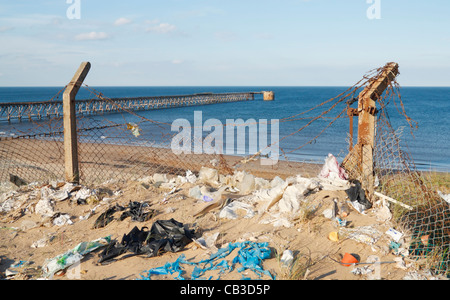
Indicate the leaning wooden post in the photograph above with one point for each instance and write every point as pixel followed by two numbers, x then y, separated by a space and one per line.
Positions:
pixel 362 154
pixel 72 172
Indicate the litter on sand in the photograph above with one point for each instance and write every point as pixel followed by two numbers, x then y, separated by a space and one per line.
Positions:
pixel 358 198
pixel 164 236
pixel 364 234
pixel 139 212
pixel 73 256
pixel 332 170
pixel 250 256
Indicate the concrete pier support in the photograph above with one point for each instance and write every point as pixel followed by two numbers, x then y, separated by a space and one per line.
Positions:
pixel 268 96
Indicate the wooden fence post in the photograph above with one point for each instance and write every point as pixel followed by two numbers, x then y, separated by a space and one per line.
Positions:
pixel 361 156
pixel 72 173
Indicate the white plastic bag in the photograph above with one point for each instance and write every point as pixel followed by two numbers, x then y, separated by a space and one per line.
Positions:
pixel 209 176
pixel 332 170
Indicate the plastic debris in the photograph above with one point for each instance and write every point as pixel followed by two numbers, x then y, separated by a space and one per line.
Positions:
pixel 246 184
pixel 164 236
pixel 230 211
pixel 277 220
pixel 364 234
pixel 445 197
pixel 272 195
pixel 20 263
pixel 394 234
pixel 250 256
pixel 195 192
pixel 44 208
pixel 73 256
pixel 294 194
pixel 138 211
pixel 349 259
pixel 344 210
pixel 333 236
pixel 400 263
pixel 207 243
pixel 42 242
pixel 134 128
pixel 190 177
pixel 168 269
pixel 332 170
pixel 105 218
pixel 208 176
pixel 358 198
pixel 207 198
pixel 210 206
pixel 340 222
pixel 82 195
pixel 383 213
pixel 160 178
pixel 329 213
pixel 287 258
pixel 90 213
pixel 62 219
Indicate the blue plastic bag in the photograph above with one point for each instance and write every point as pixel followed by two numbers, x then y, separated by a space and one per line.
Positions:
pixel 249 256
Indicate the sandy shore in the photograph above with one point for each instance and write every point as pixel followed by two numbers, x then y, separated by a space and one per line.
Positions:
pixel 37 160
pixel 110 167
pixel 307 238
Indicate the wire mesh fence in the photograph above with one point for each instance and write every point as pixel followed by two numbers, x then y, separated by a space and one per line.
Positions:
pixel 417 207
pixel 131 146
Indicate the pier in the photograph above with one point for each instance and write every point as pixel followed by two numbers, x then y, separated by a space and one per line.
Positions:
pixel 47 109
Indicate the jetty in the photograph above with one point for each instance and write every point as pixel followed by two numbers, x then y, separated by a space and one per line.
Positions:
pixel 47 109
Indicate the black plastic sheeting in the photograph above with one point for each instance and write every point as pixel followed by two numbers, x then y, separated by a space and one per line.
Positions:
pixel 357 193
pixel 138 212
pixel 164 236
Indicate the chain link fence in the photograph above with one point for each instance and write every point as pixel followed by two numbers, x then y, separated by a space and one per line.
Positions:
pixel 133 146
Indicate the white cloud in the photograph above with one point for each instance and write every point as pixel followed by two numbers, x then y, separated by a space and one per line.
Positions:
pixel 92 36
pixel 122 21
pixel 177 61
pixel 162 28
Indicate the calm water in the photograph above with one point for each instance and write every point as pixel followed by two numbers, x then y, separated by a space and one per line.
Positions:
pixel 428 106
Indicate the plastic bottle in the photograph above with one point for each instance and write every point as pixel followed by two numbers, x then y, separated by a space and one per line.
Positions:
pixel 344 210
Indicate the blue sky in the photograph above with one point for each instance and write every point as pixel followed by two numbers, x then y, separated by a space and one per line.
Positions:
pixel 226 42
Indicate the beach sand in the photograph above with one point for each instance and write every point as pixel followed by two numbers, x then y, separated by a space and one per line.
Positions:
pixel 36 160
pixel 306 237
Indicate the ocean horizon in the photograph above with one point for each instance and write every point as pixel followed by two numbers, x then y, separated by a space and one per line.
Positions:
pixel 428 106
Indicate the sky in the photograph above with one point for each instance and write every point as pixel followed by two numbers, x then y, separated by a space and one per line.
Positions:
pixel 223 42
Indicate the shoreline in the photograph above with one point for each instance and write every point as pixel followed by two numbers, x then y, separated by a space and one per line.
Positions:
pixel 99 160
pixel 30 237
pixel 43 160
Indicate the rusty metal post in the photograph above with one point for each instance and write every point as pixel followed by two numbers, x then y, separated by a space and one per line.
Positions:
pixel 72 173
pixel 361 155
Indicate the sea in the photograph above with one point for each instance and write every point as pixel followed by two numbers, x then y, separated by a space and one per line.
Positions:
pixel 299 138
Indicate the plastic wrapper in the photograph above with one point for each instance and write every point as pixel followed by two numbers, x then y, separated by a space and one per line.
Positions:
pixel 73 256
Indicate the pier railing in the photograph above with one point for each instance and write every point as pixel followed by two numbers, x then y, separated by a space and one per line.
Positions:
pixel 47 109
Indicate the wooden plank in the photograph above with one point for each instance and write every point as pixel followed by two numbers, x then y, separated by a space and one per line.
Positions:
pixel 72 173
pixel 392 200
